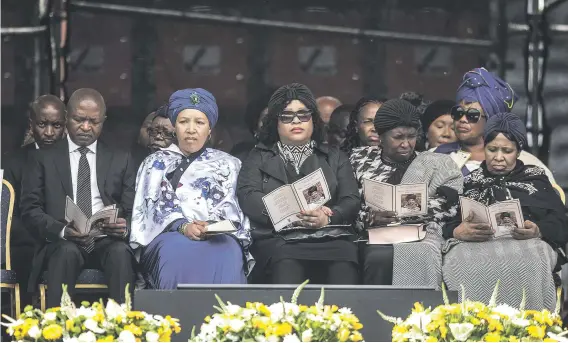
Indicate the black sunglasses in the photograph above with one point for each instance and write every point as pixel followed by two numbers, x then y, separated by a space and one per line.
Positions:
pixel 287 117
pixel 473 115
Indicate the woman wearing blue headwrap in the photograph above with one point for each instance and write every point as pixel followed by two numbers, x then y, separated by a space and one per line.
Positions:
pixel 181 191
pixel 524 258
pixel 480 96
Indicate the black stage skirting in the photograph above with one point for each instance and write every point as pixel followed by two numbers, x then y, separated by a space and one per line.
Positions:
pixel 192 303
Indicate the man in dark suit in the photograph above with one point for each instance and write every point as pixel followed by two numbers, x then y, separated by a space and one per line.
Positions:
pixel 47 125
pixel 94 175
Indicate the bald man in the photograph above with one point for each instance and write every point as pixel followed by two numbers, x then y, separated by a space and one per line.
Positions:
pixel 47 126
pixel 94 175
pixel 326 106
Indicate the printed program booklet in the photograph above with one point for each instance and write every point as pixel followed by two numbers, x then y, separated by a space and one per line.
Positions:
pixel 91 226
pixel 502 217
pixel 406 200
pixel 285 203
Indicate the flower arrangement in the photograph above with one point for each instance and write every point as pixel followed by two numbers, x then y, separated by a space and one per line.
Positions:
pixel 476 322
pixel 280 322
pixel 91 323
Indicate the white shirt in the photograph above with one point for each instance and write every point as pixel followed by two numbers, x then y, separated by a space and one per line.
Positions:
pixel 74 156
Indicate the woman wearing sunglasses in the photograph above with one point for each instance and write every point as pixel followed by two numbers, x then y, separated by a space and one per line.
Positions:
pixel 395 161
pixel 480 96
pixel 320 247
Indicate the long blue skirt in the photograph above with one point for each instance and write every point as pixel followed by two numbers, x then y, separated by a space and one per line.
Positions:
pixel 172 259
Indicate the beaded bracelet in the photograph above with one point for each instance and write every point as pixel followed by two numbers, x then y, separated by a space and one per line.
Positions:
pixel 182 227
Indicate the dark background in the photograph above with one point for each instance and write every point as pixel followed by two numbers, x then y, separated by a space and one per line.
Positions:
pixel 136 62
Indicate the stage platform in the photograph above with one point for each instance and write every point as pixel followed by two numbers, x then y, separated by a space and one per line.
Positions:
pixel 192 303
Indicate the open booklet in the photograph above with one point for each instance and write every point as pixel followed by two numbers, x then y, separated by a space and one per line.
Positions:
pixel 406 200
pixel 502 216
pixel 285 203
pixel 91 226
pixel 220 227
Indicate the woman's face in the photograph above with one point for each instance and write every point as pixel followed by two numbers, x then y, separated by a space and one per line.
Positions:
pixel 365 125
pixel 296 132
pixel 192 130
pixel 501 155
pixel 398 144
pixel 469 132
pixel 441 131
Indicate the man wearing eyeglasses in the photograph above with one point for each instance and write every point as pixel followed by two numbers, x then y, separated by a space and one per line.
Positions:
pixel 480 96
pixel 161 133
pixel 94 175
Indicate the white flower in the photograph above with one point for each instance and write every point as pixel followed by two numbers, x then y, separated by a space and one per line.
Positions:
pixel 461 332
pixel 345 310
pixel 86 311
pixel 333 327
pixel 272 338
pixel 291 338
pixel 113 310
pixel 93 326
pixel 559 337
pixel 520 322
pixel 233 309
pixel 307 335
pixel 34 332
pixel 126 336
pixel 87 337
pixel 419 319
pixel 152 336
pixel 236 325
pixel 260 338
pixel 278 310
pixel 70 339
pixel 50 316
pixel 506 310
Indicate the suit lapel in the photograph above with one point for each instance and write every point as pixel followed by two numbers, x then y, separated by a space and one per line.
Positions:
pixel 104 159
pixel 63 166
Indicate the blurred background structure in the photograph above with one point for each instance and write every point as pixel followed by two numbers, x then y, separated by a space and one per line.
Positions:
pixel 136 53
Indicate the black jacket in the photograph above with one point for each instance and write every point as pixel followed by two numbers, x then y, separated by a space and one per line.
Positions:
pixel 47 182
pixel 13 165
pixel 264 171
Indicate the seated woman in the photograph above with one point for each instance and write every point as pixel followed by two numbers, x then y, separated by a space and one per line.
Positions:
pixel 395 162
pixel 180 191
pixel 360 130
pixel 290 148
pixel 524 260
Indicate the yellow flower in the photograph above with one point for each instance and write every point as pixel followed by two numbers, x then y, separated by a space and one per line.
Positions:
pixel 136 331
pixel 264 310
pixel 99 317
pixel 259 323
pixel 136 314
pixel 443 331
pixel 536 331
pixel 334 308
pixel 431 339
pixel 108 338
pixel 418 307
pixel 549 340
pixel 356 337
pixel 495 325
pixel 207 319
pixel 399 329
pixel 52 332
pixel 514 339
pixel 493 337
pixel 303 308
pixel 165 337
pixel 283 329
pixel 69 325
pixel 357 326
pixel 343 335
pixel 177 329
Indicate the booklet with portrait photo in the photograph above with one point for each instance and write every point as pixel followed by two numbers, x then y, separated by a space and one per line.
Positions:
pixel 91 226
pixel 406 200
pixel 220 227
pixel 502 216
pixel 285 203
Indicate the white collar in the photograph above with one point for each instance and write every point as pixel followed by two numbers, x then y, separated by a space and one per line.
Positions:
pixel 74 147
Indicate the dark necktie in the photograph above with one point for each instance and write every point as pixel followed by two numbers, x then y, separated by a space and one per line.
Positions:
pixel 84 199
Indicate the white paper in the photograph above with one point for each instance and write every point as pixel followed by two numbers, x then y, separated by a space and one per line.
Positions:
pixel 406 200
pixel 224 226
pixel 1 174
pixel 396 234
pixel 502 217
pixel 285 203
pixel 93 225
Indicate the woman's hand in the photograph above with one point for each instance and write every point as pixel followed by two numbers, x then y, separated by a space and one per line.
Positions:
pixel 316 219
pixel 530 230
pixel 381 218
pixel 473 232
pixel 195 230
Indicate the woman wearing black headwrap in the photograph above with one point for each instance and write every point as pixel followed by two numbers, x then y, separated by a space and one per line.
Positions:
pixel 290 147
pixel 524 260
pixel 396 162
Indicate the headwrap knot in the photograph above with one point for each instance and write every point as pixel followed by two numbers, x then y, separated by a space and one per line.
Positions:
pixel 193 98
pixel 508 123
pixel 494 94
pixel 396 113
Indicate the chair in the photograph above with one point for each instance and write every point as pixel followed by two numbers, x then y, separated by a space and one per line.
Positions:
pixel 8 280
pixel 89 279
